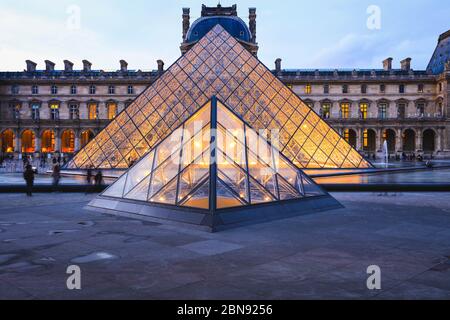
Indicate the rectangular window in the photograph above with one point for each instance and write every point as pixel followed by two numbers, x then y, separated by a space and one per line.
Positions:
pixel 73 89
pixel 440 87
pixel 35 111
pixel 112 110
pixel 401 112
pixel 326 111
pixel 383 111
pixel 92 89
pixel 112 90
pixel 364 89
pixel 382 88
pixel 34 89
pixel 54 89
pixel 16 107
pixel 421 109
pixel 345 88
pixel 308 89
pixel 420 88
pixel 73 112
pixel 54 111
pixel 93 111
pixel 326 89
pixel 345 110
pixel 363 111
pixel 130 90
pixel 15 89
pixel 366 139
pixel 401 88
pixel 347 135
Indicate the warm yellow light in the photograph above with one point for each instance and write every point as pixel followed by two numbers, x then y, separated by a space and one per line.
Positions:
pixel 162 199
pixel 232 145
pixel 267 199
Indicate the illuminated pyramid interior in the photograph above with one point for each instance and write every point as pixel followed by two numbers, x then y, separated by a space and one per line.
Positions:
pixel 218 65
pixel 219 169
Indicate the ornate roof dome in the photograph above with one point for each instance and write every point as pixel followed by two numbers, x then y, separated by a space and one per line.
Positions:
pixel 235 26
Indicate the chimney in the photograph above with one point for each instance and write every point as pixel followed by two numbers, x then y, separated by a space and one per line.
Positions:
pixel 31 66
pixel 49 66
pixel 68 66
pixel 406 64
pixel 160 66
pixel 278 65
pixel 186 22
pixel 387 64
pixel 123 66
pixel 252 23
pixel 86 66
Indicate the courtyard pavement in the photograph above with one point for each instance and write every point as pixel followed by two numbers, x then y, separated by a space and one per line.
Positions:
pixel 318 256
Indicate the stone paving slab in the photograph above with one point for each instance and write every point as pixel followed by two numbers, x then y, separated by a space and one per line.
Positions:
pixel 318 256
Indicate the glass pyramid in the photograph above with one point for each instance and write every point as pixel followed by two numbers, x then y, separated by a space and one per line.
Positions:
pixel 213 161
pixel 218 65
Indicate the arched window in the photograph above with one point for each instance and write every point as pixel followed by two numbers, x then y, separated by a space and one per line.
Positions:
pixel 7 141
pixel 48 141
pixel 28 141
pixel 429 141
pixel 68 141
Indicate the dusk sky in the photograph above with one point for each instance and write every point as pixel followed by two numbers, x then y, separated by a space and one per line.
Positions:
pixel 305 34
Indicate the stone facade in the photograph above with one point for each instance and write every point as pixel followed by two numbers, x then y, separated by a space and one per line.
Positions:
pixel 48 111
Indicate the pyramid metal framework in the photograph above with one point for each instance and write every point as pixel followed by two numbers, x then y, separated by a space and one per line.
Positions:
pixel 218 65
pixel 214 164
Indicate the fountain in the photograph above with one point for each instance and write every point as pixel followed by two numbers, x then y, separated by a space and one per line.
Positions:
pixel 386 153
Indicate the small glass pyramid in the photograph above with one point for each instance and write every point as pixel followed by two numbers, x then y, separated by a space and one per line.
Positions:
pixel 213 161
pixel 218 65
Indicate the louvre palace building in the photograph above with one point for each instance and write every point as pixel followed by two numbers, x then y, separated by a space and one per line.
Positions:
pixel 44 111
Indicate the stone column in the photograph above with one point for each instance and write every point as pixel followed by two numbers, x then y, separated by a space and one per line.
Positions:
pixel 399 140
pixel 77 141
pixel 439 137
pixel 37 142
pixel 18 142
pixel 57 140
pixel 359 137
pixel 419 140
pixel 379 140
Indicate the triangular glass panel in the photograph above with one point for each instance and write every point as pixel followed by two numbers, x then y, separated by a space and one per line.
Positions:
pixel 116 189
pixel 199 198
pixel 140 192
pixel 139 172
pixel 166 195
pixel 258 194
pixel 226 198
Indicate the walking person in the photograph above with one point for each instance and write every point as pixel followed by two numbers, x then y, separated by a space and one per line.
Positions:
pixel 56 175
pixel 28 175
pixel 89 176
pixel 99 179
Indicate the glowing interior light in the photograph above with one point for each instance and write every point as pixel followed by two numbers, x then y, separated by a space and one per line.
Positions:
pixel 162 199
pixel 232 145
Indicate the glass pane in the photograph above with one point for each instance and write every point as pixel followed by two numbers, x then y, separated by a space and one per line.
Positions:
pixel 288 173
pixel 226 198
pixel 140 192
pixel 262 173
pixel 163 175
pixel 287 192
pixel 167 195
pixel 258 194
pixel 230 145
pixel 236 180
pixel 200 197
pixel 311 189
pixel 139 172
pixel 191 178
pixel 116 190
